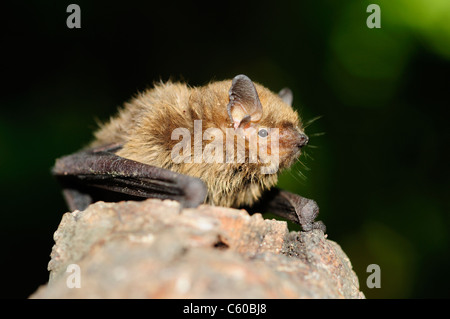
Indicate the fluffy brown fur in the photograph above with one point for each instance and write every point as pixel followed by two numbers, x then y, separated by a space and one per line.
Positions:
pixel 145 124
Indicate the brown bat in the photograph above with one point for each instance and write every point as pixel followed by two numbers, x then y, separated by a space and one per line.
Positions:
pixel 222 144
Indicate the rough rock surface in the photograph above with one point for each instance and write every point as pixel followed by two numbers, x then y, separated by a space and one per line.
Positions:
pixel 155 249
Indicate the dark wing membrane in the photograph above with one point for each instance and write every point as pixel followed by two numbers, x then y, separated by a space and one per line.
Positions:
pixel 99 174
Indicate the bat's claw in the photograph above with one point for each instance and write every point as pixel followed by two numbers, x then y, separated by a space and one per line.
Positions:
pixel 315 225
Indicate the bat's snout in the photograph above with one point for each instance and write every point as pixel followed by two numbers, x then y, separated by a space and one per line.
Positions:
pixel 302 140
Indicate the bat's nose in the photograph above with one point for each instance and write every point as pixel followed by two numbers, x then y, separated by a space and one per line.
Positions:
pixel 302 140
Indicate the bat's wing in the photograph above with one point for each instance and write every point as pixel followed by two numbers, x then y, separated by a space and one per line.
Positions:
pixel 293 207
pixel 99 174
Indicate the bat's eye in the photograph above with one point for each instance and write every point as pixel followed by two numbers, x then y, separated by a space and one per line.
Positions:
pixel 263 132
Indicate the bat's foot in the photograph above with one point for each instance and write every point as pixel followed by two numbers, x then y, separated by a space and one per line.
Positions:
pixel 307 210
pixel 293 207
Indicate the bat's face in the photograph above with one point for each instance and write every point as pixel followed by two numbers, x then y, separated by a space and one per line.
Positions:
pixel 268 123
pixel 292 140
pixel 270 148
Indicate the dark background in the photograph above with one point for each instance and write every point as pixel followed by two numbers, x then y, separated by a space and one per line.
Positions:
pixel 379 172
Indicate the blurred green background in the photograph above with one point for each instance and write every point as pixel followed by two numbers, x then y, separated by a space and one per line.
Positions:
pixel 378 164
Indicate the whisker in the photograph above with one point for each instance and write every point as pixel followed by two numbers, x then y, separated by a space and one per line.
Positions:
pixel 311 121
pixel 307 155
pixel 317 134
pixel 301 175
pixel 290 172
pixel 304 165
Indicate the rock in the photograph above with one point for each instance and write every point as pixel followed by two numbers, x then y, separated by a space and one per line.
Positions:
pixel 155 249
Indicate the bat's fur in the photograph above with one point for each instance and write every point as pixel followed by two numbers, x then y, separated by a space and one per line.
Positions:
pixel 145 124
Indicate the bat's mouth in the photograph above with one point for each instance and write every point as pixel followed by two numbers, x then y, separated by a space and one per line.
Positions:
pixel 302 140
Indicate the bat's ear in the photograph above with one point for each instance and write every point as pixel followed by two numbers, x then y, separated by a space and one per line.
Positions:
pixel 286 95
pixel 244 106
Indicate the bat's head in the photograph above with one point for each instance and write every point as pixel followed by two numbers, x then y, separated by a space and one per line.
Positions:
pixel 268 124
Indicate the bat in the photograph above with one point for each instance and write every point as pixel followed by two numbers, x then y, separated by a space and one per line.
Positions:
pixel 222 144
